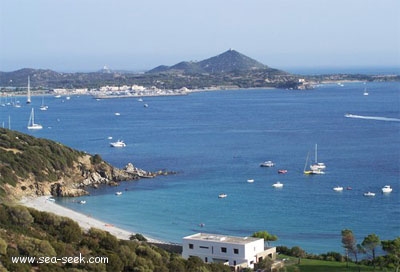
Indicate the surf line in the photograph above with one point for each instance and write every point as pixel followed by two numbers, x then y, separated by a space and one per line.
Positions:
pixel 372 117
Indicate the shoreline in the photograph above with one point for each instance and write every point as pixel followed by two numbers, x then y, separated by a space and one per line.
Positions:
pixel 86 222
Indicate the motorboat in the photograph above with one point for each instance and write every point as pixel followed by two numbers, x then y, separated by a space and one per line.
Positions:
pixel 118 143
pixel 222 195
pixel 338 188
pixel 118 193
pixel 282 171
pixel 277 185
pixel 369 194
pixel 250 180
pixel 267 164
pixel 82 202
pixel 387 189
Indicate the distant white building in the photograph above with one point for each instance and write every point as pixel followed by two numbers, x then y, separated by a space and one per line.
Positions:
pixel 237 252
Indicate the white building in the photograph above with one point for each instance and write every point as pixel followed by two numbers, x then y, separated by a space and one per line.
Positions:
pixel 238 252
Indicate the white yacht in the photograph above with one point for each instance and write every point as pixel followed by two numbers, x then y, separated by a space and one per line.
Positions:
pixel 118 143
pixel 267 164
pixel 369 194
pixel 277 185
pixel 387 189
pixel 338 188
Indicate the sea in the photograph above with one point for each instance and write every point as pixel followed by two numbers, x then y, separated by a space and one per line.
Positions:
pixel 214 141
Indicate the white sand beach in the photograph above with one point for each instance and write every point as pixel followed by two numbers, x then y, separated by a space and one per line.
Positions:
pixel 86 222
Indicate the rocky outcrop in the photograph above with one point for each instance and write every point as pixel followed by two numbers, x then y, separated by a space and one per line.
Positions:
pixel 75 181
pixel 96 175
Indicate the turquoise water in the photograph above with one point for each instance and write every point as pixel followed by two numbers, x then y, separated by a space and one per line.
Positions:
pixel 216 141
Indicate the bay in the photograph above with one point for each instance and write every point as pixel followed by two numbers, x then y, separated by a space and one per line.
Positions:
pixel 216 141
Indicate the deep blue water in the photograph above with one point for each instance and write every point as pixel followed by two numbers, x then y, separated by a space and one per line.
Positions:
pixel 216 141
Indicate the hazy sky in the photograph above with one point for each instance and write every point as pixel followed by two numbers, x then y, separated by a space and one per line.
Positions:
pixel 84 35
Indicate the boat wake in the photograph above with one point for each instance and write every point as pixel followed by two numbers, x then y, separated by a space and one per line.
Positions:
pixel 372 118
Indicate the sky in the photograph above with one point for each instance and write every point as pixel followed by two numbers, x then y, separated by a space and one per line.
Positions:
pixel 136 35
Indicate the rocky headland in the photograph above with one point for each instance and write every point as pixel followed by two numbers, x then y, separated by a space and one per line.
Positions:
pixel 39 167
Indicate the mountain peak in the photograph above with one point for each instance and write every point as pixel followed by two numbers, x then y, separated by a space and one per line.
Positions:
pixel 228 61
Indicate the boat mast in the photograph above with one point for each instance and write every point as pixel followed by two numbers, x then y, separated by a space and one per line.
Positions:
pixel 28 100
pixel 316 153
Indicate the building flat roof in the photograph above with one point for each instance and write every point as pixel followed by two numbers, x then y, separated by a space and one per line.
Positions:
pixel 221 238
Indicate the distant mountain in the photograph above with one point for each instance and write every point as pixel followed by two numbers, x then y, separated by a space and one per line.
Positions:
pixel 226 62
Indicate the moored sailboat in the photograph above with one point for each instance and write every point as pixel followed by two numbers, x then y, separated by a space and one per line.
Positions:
pixel 317 165
pixel 31 122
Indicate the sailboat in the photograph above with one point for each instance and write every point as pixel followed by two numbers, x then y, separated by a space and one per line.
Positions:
pixel 365 91
pixel 43 107
pixel 317 165
pixel 28 99
pixel 312 171
pixel 31 123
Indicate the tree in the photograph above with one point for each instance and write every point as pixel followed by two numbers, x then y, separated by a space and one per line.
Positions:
pixel 370 243
pixel 349 243
pixel 393 248
pixel 265 235
pixel 298 252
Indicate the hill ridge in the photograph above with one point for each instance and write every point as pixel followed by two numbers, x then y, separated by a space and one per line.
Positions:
pixel 228 61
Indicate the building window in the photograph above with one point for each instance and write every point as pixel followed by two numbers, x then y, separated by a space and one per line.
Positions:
pixel 236 250
pixel 223 249
pixel 203 247
pixel 191 246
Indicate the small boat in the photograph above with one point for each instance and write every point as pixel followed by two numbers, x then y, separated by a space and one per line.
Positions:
pixel 282 171
pixel 118 193
pixel 31 122
pixel 146 105
pixel 118 143
pixel 365 92
pixel 51 199
pixel 117 114
pixel 349 188
pixel 267 164
pixel 222 195
pixel 82 202
pixel 250 180
pixel 277 185
pixel 369 194
pixel 387 189
pixel 338 188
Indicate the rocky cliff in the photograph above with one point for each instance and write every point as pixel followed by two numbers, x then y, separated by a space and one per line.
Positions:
pixel 35 167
